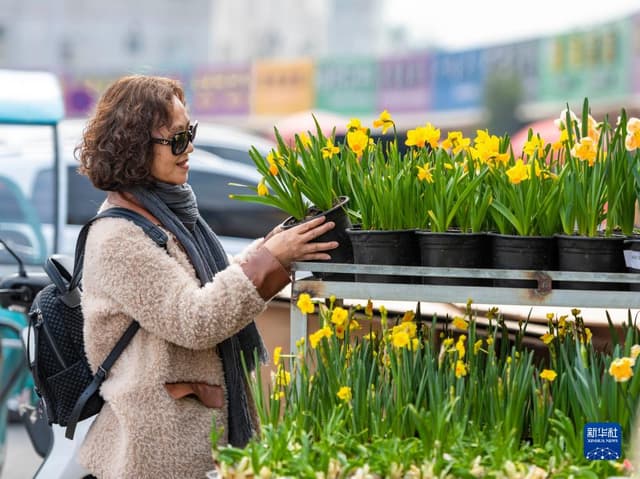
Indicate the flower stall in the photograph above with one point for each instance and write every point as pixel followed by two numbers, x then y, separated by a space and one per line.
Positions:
pixel 369 394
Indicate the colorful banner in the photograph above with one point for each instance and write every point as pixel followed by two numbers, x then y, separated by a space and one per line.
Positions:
pixel 458 80
pixel 634 52
pixel 282 87
pixel 405 83
pixel 519 59
pixel 346 85
pixel 81 93
pixel 223 90
pixel 594 64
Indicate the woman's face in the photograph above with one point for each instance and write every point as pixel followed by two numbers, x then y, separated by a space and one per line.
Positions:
pixel 167 167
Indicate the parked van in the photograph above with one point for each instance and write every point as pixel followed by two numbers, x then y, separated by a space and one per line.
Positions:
pixel 231 143
pixel 30 166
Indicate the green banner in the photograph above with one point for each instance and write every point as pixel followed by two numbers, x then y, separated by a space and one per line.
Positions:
pixel 346 85
pixel 593 63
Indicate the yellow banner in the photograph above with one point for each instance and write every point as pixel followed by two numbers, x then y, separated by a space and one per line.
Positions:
pixel 282 87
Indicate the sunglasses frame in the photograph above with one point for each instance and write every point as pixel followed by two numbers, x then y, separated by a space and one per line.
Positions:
pixel 173 141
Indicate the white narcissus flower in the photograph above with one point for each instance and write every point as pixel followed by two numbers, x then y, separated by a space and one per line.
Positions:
pixel 560 122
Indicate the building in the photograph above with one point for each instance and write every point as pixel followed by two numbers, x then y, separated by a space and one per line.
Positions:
pixel 76 36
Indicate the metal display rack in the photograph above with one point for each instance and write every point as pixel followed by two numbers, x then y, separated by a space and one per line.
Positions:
pixel 542 295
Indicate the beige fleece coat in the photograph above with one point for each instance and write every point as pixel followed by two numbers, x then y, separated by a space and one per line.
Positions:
pixel 142 432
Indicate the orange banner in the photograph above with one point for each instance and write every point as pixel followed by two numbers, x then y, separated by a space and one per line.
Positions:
pixel 282 87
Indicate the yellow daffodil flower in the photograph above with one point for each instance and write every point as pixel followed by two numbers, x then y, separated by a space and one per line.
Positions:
pixel 315 338
pixel 354 125
pixel 262 189
pixel 564 137
pixel 340 329
pixel 459 323
pixel 518 173
pixel 533 146
pixel 305 304
pixel 368 310
pixel 357 141
pixel 329 150
pixel 283 378
pixel 461 368
pixel 416 138
pixel 344 394
pixel 424 173
pixel 548 375
pixel 339 316
pixel 304 139
pixel 632 140
pixel 462 351
pixel 408 316
pixel 593 128
pixel 586 149
pixel 622 369
pixel 277 351
pixel 455 142
pixel 547 338
pixel 400 339
pixel 384 121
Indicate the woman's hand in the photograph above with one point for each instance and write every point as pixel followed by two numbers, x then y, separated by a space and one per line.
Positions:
pixel 293 244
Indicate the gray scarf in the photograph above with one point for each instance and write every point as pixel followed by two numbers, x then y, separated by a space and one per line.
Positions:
pixel 176 208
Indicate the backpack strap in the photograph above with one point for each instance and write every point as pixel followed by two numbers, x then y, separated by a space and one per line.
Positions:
pixel 151 230
pixel 161 238
pixel 99 377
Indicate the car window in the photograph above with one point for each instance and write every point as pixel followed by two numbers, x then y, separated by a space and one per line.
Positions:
pixel 84 199
pixel 43 194
pixel 228 217
pixel 19 226
pixel 233 154
pixel 10 208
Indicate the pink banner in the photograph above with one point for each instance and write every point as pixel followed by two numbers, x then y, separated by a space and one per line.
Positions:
pixel 221 91
pixel 404 83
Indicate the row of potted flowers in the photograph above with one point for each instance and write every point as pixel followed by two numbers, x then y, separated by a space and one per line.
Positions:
pixel 584 183
pixel 373 396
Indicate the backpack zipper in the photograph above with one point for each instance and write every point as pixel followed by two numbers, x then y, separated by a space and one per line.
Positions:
pixel 47 334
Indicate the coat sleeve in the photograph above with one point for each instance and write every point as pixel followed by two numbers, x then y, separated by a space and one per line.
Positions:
pixel 152 287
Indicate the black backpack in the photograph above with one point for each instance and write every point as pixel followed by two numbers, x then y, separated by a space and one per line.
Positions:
pixel 61 372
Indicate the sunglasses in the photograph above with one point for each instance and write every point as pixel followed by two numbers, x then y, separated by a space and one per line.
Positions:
pixel 180 141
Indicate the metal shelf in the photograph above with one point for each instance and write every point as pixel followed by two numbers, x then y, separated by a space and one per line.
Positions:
pixel 543 295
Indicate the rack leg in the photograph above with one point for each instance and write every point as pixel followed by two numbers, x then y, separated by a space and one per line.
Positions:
pixel 297 327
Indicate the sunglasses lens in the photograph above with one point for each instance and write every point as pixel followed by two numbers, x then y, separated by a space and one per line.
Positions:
pixel 180 143
pixel 192 131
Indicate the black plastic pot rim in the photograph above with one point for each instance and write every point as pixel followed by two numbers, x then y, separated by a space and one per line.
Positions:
pixel 291 221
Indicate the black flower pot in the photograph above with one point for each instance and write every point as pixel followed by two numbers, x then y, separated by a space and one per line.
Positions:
pixel 344 252
pixel 536 253
pixel 603 254
pixel 454 250
pixel 384 247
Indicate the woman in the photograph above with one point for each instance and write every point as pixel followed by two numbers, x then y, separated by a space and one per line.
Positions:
pixel 182 370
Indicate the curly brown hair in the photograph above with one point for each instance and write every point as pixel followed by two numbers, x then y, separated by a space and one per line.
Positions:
pixel 116 150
